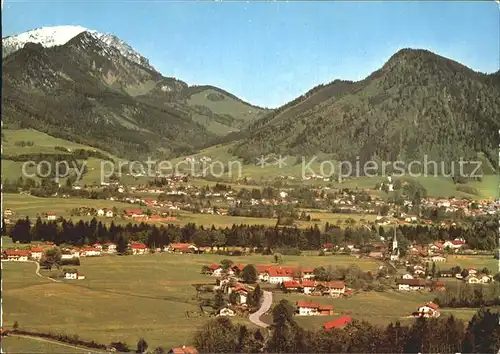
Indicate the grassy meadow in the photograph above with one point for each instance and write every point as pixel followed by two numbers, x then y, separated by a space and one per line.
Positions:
pixel 125 298
pixel 21 345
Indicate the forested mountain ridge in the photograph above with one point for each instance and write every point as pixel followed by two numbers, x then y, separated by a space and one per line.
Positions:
pixel 88 92
pixel 418 103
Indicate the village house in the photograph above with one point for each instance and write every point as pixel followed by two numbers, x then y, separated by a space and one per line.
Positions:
pixel 308 286
pixel 307 273
pixel 109 213
pixel 454 244
pixel 418 270
pixel 411 284
pixel 305 308
pixel 438 259
pixel 215 270
pixel 226 312
pixel 90 252
pixel 138 248
pixel 7 212
pixel 182 248
pixel 67 254
pixel 72 274
pixel 291 285
pixel 484 278
pixel 134 213
pixel 242 292
pixel 337 323
pixel 36 253
pixel 98 246
pixel 333 288
pixel 446 273
pixel 51 216
pixel 429 309
pixel 472 279
pixel 407 276
pixel 101 212
pixel 109 247
pixel 471 271
pixel 278 275
pixel 15 255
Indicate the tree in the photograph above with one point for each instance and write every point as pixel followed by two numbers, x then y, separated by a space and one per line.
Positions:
pixel 250 274
pixel 121 245
pixel 217 336
pixel 16 325
pixel 218 300
pixel 278 258
pixel 159 350
pixel 142 346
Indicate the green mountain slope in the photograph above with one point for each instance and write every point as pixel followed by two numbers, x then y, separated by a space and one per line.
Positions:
pixel 87 92
pixel 417 104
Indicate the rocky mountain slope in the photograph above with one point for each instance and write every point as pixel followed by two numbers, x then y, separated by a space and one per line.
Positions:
pixel 94 89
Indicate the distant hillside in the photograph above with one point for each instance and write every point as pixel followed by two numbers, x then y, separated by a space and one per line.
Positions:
pixel 98 93
pixel 417 104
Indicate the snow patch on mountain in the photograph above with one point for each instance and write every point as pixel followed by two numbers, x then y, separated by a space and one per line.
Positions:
pixel 59 35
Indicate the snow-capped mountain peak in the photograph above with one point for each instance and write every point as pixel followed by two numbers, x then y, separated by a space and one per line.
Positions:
pixel 59 35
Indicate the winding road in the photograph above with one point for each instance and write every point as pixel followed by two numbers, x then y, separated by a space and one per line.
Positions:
pixel 267 301
pixel 37 272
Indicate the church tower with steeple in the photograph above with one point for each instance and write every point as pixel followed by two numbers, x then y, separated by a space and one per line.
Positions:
pixel 395 249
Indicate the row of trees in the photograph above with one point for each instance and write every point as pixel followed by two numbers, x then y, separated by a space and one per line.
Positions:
pixel 255 236
pixel 469 295
pixel 441 335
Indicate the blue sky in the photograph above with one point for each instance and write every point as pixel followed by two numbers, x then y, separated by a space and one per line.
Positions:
pixel 268 53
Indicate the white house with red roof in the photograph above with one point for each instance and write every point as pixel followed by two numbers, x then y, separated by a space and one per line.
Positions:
pixel 454 244
pixel 334 288
pixel 36 253
pixel 90 252
pixel 72 274
pixel 110 247
pixel 307 308
pixel 15 255
pixel 134 213
pixel 51 216
pixel 182 248
pixel 278 275
pixel 429 309
pixel 242 291
pixel 138 248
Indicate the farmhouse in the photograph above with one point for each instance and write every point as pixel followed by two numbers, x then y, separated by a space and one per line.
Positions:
pixel 90 252
pixel 308 286
pixel 100 212
pixel 305 308
pixel 278 275
pixel 407 276
pixel 332 288
pixel 36 253
pixel 110 247
pixel 7 212
pixel 454 244
pixel 134 213
pixel 138 248
pixel 182 248
pixel 72 274
pixel 337 323
pixel 291 285
pixel 242 291
pixel 15 255
pixel 438 259
pixel 51 216
pixel 472 279
pixel 226 311
pixel 411 284
pixel 429 309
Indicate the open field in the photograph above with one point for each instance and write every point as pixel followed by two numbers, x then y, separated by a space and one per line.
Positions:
pixel 478 262
pixel 21 345
pixel 375 307
pixel 25 205
pixel 125 298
